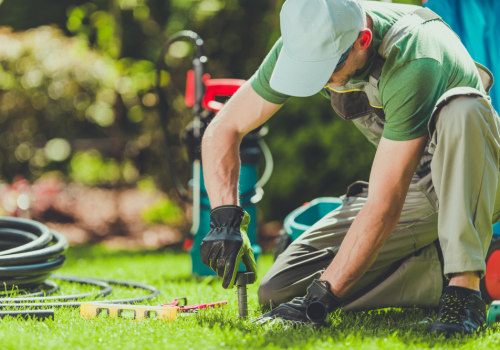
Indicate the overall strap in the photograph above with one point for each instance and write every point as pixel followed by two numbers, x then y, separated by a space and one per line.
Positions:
pixel 400 28
pixel 403 26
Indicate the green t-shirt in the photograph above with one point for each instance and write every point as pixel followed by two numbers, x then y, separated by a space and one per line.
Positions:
pixel 419 68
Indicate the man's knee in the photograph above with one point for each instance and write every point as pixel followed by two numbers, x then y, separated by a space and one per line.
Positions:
pixel 265 294
pixel 268 293
pixel 274 290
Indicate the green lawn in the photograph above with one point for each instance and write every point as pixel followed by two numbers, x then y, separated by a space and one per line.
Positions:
pixel 170 272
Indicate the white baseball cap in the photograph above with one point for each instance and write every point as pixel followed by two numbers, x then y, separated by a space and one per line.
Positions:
pixel 315 35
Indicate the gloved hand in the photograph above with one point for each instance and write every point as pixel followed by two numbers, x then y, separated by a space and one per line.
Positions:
pixel 227 243
pixel 311 309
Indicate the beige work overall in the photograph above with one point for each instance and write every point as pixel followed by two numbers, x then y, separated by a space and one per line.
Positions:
pixel 450 203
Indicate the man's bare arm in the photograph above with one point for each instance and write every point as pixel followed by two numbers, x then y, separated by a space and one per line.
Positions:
pixel 391 174
pixel 244 111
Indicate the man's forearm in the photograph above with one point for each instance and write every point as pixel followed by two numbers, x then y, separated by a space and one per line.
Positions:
pixel 393 167
pixel 360 247
pixel 221 165
pixel 245 111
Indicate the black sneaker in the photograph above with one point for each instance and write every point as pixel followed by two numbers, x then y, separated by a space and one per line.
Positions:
pixel 461 311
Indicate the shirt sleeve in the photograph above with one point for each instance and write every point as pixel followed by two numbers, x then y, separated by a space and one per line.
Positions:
pixel 260 79
pixel 408 96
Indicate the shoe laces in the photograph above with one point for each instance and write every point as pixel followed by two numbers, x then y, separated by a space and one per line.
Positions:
pixel 451 309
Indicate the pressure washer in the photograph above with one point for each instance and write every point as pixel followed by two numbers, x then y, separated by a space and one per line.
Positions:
pixel 203 95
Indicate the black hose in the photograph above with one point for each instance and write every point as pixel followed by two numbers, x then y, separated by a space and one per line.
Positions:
pixel 40 252
pixel 34 303
pixel 29 253
pixel 30 314
pixel 105 290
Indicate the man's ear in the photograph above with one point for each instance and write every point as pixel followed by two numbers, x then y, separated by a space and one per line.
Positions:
pixel 364 39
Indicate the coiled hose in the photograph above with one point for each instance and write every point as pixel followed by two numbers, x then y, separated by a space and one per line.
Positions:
pixel 29 253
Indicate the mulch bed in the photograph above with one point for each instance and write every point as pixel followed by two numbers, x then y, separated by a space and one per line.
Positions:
pixel 90 215
pixel 111 216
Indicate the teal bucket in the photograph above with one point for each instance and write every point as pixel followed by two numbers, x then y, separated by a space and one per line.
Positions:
pixel 496 229
pixel 309 213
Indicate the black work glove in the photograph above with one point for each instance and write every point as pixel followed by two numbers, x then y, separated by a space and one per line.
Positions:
pixel 227 243
pixel 309 310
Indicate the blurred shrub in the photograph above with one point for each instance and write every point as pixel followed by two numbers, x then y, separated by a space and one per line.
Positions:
pixel 91 168
pixel 58 97
pixel 164 211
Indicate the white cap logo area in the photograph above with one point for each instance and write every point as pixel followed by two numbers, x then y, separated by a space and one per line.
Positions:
pixel 315 34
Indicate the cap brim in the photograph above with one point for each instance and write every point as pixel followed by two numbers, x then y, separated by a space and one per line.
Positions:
pixel 301 78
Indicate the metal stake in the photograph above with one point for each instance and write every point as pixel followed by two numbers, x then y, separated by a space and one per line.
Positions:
pixel 242 279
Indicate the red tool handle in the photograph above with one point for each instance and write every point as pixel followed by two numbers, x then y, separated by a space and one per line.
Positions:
pixel 177 302
pixel 201 306
pixel 213 88
pixel 184 308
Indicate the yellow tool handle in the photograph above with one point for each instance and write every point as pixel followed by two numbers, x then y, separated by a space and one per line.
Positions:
pixel 92 310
